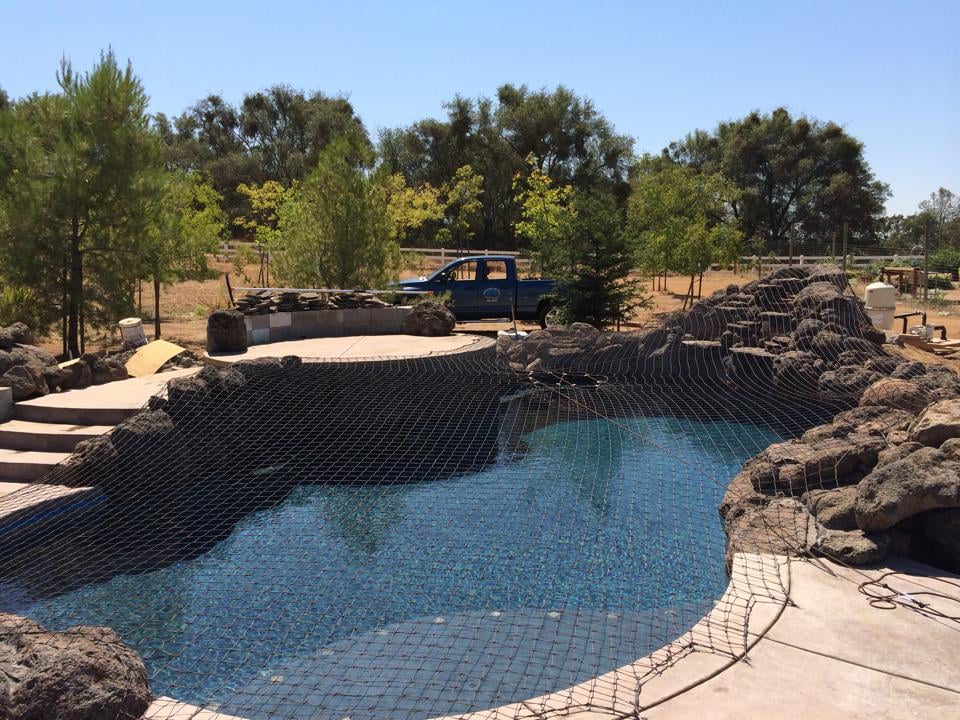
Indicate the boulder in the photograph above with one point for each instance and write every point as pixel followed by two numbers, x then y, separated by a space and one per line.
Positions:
pixel 21 381
pixel 848 381
pixel 20 333
pixel 140 429
pixel 429 318
pixel 32 357
pixel 817 293
pixel 874 419
pixel 833 509
pixel 82 672
pixel 937 423
pixel 226 332
pixel 896 452
pixel 927 479
pixel 941 382
pixel 857 547
pixel 797 371
pixel 750 367
pixel 93 458
pixel 908 370
pixel 781 526
pixel 794 465
pixel 827 345
pixel 902 394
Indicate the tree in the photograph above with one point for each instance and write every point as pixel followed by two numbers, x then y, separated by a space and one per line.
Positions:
pixel 678 219
pixel 570 141
pixel 462 205
pixel 795 176
pixel 597 289
pixel 410 208
pixel 546 215
pixel 276 134
pixel 943 206
pixel 261 220
pixel 336 225
pixel 187 223
pixel 83 168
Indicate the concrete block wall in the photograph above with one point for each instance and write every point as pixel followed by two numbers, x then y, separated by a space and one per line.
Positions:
pixel 280 326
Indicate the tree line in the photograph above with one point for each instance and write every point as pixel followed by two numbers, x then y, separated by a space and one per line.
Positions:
pixel 97 195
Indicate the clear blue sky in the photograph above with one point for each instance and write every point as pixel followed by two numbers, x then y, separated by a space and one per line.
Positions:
pixel 888 71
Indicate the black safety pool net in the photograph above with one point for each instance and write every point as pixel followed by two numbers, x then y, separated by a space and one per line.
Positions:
pixel 424 537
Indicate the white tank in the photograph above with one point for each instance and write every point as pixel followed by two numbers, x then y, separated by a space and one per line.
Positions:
pixel 880 295
pixel 131 329
pixel 881 301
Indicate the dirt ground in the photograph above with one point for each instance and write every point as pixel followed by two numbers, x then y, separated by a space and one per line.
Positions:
pixel 185 306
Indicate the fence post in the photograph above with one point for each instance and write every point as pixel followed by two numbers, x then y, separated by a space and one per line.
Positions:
pixel 844 246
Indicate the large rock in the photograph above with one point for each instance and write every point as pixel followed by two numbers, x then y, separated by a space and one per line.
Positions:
pixel 895 393
pixel 926 479
pixel 20 333
pixel 834 509
pixel 794 465
pixel 848 381
pixel 21 381
pixel 938 423
pixel 780 527
pixel 430 319
pixel 84 673
pixel 226 332
pixel 859 548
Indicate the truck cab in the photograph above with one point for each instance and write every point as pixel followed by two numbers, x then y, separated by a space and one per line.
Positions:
pixel 486 287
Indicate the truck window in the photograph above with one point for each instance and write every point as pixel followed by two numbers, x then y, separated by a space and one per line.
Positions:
pixel 465 271
pixel 496 270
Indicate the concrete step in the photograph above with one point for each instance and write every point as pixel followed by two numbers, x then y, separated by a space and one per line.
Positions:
pixel 46 437
pixel 67 415
pixel 27 465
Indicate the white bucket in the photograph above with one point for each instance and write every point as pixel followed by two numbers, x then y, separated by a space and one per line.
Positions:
pixel 512 334
pixel 131 329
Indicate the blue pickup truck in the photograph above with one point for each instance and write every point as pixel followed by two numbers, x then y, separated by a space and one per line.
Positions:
pixel 487 287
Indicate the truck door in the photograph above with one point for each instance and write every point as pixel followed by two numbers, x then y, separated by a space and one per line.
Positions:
pixel 462 284
pixel 496 289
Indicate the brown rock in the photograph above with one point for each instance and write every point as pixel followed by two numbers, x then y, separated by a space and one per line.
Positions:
pixel 429 318
pixel 927 479
pixel 82 673
pixel 937 423
pixel 834 509
pixel 781 527
pixel 859 548
pixel 902 394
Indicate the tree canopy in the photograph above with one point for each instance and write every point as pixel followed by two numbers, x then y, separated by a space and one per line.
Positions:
pixel 795 176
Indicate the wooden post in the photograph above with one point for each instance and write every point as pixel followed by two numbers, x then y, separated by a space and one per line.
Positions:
pixel 845 226
pixel 790 251
pixel 226 276
pixel 926 264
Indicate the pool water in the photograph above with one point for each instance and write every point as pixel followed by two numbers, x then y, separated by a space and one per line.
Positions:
pixel 596 544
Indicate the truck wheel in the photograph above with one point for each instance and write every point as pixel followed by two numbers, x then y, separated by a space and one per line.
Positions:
pixel 544 316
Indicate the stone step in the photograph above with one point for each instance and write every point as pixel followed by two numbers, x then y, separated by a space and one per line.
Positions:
pixel 46 437
pixel 27 465
pixel 67 415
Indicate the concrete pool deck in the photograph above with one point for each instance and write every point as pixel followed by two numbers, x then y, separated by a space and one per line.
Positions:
pixel 359 347
pixel 816 648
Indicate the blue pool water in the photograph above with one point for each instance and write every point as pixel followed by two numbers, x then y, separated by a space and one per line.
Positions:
pixel 596 545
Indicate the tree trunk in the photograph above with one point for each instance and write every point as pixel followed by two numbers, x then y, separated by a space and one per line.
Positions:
pixel 700 288
pixel 75 291
pixel 156 307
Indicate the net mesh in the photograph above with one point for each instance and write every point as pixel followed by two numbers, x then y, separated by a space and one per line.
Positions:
pixel 423 537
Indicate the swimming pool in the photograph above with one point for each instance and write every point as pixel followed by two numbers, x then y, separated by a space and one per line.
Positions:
pixel 594 543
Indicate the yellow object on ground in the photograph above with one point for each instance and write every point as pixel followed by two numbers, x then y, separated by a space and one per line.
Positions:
pixel 151 357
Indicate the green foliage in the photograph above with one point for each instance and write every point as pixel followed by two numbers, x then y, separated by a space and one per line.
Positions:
pixel 597 289
pixel 546 217
pixel 276 135
pixel 336 225
pixel 410 208
pixel 18 303
pixel 571 142
pixel 262 220
pixel 678 219
pixel 795 176
pixel 462 205
pixel 946 260
pixel 81 170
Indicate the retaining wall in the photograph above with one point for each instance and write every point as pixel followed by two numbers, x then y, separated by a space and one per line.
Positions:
pixel 279 326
